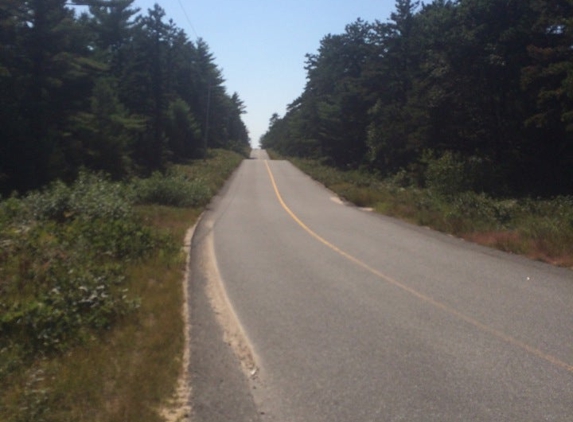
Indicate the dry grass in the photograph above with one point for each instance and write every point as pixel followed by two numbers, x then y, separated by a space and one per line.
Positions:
pixel 515 242
pixel 539 229
pixel 508 241
pixel 125 374
pixel 130 371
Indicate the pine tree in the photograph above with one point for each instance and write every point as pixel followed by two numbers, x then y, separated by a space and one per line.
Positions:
pixel 548 79
pixel 45 83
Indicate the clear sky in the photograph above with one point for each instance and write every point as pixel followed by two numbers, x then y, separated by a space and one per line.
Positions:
pixel 260 45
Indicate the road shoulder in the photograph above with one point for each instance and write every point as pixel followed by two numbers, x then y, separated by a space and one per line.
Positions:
pixel 220 388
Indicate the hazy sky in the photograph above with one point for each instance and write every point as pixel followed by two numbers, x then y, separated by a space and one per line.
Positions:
pixel 260 45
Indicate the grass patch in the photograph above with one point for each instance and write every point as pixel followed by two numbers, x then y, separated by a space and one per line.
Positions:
pixel 172 189
pixel 215 170
pixel 91 297
pixel 541 229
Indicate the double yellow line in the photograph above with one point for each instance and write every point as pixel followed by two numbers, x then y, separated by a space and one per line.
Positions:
pixel 451 311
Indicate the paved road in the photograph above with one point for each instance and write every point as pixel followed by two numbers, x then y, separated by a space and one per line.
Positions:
pixel 351 316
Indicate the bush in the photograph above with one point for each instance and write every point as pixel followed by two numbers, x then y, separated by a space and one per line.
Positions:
pixel 80 300
pixel 172 190
pixel 51 204
pixel 548 223
pixel 12 209
pixel 451 174
pixel 59 286
pixel 91 196
pixel 60 255
pixel 62 283
pixel 483 209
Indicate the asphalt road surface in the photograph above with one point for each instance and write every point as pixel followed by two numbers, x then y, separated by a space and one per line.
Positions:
pixel 338 314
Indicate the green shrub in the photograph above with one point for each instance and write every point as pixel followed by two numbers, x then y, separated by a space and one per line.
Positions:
pixel 91 196
pixel 65 280
pixel 454 201
pixel 123 239
pixel 80 300
pixel 60 271
pixel 446 175
pixel 548 223
pixel 451 174
pixel 94 196
pixel 483 209
pixel 173 189
pixel 51 204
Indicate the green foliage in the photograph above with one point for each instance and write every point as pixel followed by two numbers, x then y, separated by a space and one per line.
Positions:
pixel 108 91
pixel 481 209
pixel 55 319
pixel 172 189
pixel 183 131
pixel 453 173
pixel 62 256
pixel 447 175
pixel 107 131
pixel 539 228
pixel 90 297
pixel 90 197
pixel 485 85
pixel 214 170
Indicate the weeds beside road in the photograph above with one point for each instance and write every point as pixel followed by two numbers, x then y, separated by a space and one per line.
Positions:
pixel 541 229
pixel 90 293
pixel 90 277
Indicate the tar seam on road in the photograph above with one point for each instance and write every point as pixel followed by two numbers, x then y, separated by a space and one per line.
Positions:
pixel 482 327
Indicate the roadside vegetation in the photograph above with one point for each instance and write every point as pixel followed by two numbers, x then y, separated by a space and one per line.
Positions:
pixel 97 103
pixel 442 195
pixel 451 114
pixel 484 82
pixel 106 87
pixel 91 293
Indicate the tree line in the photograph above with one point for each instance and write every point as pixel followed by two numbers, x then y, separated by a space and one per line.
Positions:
pixel 487 83
pixel 108 89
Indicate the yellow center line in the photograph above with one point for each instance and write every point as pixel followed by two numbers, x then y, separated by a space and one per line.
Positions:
pixel 482 327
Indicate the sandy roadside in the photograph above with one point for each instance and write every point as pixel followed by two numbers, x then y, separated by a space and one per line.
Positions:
pixel 178 408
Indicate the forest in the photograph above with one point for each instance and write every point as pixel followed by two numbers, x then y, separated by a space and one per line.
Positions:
pixel 115 132
pixel 483 86
pixel 105 88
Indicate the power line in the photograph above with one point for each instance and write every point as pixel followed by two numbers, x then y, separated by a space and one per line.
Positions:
pixel 187 17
